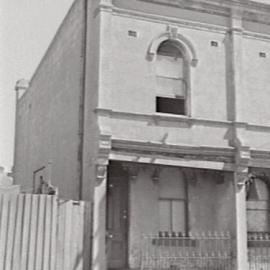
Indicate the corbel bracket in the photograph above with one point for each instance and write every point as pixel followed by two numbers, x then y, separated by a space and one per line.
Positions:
pixel 242 178
pixel 190 176
pixel 156 175
pixel 104 148
pixel 132 169
pixel 101 173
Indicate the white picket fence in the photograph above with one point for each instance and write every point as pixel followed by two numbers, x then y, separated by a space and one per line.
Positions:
pixel 41 232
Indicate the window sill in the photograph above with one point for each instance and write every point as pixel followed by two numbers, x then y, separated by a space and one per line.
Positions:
pixel 172 117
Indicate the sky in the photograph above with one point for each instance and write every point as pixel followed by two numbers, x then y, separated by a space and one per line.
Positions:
pixel 26 29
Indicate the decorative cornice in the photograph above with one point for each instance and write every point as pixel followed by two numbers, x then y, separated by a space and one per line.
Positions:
pixel 258 154
pixel 215 6
pixel 201 6
pixel 193 24
pixel 169 20
pixel 185 120
pixel 225 155
pixel 258 36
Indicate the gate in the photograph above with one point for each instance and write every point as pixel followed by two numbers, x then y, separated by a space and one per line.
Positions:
pixel 204 251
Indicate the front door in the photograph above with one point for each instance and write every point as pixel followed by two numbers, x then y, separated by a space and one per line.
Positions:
pixel 117 219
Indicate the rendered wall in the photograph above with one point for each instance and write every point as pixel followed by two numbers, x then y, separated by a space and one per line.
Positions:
pixel 133 78
pixel 256 71
pixel 49 111
pixel 206 213
pixel 129 83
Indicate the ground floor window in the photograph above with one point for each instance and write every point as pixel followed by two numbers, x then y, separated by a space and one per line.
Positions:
pixel 172 215
pixel 258 206
pixel 172 203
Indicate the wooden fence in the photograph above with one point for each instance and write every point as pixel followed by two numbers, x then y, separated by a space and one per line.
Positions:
pixel 42 232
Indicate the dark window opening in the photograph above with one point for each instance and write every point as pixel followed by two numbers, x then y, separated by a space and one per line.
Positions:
pixel 132 33
pixel 168 48
pixel 170 105
pixel 214 43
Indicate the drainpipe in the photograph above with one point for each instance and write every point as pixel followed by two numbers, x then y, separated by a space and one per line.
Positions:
pixel 20 87
pixel 82 101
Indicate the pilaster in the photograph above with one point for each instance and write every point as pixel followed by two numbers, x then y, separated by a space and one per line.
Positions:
pixel 100 196
pixel 241 177
pixel 105 52
pixel 234 67
pixel 242 156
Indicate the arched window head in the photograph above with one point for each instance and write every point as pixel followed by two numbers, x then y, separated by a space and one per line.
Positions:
pixel 169 48
pixel 258 191
pixel 171 78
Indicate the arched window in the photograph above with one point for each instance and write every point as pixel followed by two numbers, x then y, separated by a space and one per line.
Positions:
pixel 258 206
pixel 171 77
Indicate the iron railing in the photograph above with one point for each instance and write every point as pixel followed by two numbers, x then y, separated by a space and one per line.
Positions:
pixel 259 250
pixel 200 251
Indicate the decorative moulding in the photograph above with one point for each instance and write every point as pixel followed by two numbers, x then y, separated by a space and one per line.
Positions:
pixel 132 169
pixel 243 155
pixel 216 7
pixel 172 20
pixel 219 177
pixel 155 118
pixel 105 4
pixel 241 177
pixel 156 175
pixel 198 25
pixel 190 176
pixel 172 150
pixel 104 148
pixel 101 173
pixel 172 34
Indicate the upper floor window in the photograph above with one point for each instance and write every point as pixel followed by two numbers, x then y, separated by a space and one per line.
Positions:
pixel 171 77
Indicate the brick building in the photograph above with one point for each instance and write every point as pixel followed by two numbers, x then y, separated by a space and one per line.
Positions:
pixel 157 112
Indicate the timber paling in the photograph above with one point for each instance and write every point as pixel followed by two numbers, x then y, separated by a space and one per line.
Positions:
pixel 44 232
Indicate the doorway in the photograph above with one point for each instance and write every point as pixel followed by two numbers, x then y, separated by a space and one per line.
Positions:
pixel 117 217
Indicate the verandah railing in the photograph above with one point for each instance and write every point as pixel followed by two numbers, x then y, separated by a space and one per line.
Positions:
pixel 200 251
pixel 259 250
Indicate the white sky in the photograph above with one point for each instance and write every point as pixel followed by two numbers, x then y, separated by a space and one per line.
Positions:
pixel 26 30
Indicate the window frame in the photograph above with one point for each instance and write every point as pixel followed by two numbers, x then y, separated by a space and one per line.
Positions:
pixel 252 201
pixel 185 79
pixel 186 207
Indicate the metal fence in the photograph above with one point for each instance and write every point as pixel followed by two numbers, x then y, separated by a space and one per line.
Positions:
pixel 259 250
pixel 200 251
